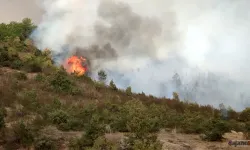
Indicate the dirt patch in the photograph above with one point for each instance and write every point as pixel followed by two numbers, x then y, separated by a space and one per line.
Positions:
pixel 178 141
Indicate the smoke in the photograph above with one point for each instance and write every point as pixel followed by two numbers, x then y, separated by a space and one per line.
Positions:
pixel 142 44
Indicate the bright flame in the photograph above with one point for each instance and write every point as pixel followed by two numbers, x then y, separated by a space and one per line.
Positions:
pixel 74 64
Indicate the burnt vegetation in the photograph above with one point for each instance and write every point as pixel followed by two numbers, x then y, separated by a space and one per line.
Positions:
pixel 41 102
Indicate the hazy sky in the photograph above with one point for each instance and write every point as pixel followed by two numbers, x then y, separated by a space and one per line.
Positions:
pixel 15 10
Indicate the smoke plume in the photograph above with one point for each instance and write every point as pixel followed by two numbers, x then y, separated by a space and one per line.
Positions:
pixel 198 48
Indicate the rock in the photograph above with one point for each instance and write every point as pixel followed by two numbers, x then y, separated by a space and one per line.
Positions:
pixel 186 145
pixel 233 132
pixel 203 136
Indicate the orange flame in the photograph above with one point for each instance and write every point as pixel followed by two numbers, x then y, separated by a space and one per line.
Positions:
pixel 74 64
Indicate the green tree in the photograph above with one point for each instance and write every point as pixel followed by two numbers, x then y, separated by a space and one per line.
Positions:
pixel 17 29
pixel 176 96
pixel 102 76
pixel 245 115
pixel 129 90
pixel 112 85
pixel 215 128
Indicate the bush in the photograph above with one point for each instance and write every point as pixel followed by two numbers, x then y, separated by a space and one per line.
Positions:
pixel 159 115
pixel 16 64
pixel 23 135
pixel 76 144
pixel 33 66
pixel 215 129
pixel 102 143
pixel 148 142
pixel 236 126
pixel 247 130
pixel 93 130
pixel 21 76
pixel 29 100
pixel 2 116
pixel 61 82
pixel 40 77
pixel 45 143
pixel 58 117
pixel 193 123
pixel 74 124
pixel 245 115
pixel 63 120
pixel 137 118
pixel 4 56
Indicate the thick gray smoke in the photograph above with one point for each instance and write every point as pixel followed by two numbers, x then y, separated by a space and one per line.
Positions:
pixel 143 43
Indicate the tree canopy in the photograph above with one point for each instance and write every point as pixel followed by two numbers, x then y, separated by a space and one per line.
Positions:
pixel 16 29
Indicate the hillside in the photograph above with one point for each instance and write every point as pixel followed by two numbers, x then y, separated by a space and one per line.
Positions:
pixel 44 107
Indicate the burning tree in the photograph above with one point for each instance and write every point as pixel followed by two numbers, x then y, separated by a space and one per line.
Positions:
pixel 76 65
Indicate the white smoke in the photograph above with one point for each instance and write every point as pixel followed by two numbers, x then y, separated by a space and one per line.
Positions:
pixel 155 39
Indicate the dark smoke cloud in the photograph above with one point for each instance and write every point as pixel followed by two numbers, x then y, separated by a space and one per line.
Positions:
pixel 127 31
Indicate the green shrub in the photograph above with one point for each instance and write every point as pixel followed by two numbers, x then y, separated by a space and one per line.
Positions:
pixel 2 116
pixel 61 82
pixel 247 130
pixel 142 124
pixel 23 134
pixel 148 142
pixel 40 77
pixel 147 145
pixel 4 56
pixel 215 128
pixel 34 67
pixel 58 117
pixel 74 124
pixel 45 143
pixel 93 130
pixel 135 117
pixel 21 76
pixel 76 144
pixel 245 115
pixel 158 114
pixel 29 100
pixel 193 123
pixel 104 144
pixel 39 122
pixel 236 126
pixel 174 119
pixel 16 64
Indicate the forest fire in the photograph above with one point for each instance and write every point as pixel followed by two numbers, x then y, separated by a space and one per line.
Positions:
pixel 76 65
